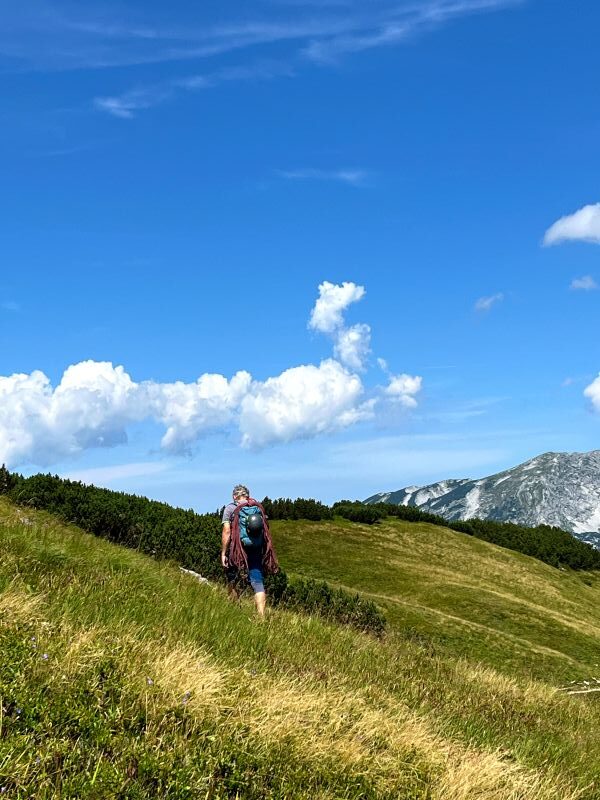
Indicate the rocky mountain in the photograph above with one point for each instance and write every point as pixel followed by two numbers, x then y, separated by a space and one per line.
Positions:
pixel 561 489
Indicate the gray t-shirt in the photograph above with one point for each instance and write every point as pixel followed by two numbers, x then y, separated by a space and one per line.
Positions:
pixel 228 512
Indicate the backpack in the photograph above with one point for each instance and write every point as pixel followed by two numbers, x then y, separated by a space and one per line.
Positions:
pixel 251 526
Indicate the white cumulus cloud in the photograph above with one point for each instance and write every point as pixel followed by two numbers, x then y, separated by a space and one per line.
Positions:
pixel 583 225
pixel 593 392
pixel 192 409
pixel 91 407
pixel 333 300
pixel 351 344
pixel 95 403
pixel 403 388
pixel 302 402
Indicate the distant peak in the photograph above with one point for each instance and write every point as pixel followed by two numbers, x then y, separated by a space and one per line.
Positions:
pixel 553 488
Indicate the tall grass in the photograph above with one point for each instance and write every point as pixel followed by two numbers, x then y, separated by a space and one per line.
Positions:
pixel 121 677
pixel 458 595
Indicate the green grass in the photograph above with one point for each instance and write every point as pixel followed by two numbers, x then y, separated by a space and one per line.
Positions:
pixel 463 596
pixel 156 686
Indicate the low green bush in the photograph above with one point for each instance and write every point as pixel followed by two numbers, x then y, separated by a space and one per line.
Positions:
pixel 357 512
pixel 318 597
pixel 301 508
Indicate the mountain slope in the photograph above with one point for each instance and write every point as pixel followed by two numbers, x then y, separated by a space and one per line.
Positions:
pixel 121 677
pixel 561 489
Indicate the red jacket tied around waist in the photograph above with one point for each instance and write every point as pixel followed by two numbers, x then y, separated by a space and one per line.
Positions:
pixel 237 553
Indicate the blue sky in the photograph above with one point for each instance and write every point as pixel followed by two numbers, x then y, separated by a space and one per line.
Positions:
pixel 181 185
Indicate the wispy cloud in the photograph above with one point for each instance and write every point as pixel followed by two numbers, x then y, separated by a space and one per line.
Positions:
pixel 104 475
pixel 399 24
pixel 49 36
pixel 485 304
pixel 10 306
pixel 586 284
pixel 351 177
pixel 126 105
pixel 464 411
pixel 42 37
pixel 68 150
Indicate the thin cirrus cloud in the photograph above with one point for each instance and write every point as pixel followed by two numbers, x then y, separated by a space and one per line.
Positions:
pixel 103 475
pixel 128 104
pixel 95 403
pixel 485 304
pixel 400 25
pixel 583 226
pixel 351 177
pixel 318 36
pixel 55 34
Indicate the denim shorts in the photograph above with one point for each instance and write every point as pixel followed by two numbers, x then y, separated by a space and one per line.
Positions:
pixel 255 573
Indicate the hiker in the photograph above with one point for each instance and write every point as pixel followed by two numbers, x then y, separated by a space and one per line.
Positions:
pixel 246 546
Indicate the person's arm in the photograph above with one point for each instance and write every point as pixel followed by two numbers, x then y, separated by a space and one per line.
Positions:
pixel 225 537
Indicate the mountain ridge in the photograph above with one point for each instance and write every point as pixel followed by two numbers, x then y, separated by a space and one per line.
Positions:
pixel 554 488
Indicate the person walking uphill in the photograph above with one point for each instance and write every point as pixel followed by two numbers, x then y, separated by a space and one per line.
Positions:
pixel 246 546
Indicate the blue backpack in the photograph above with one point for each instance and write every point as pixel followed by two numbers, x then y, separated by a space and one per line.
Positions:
pixel 251 526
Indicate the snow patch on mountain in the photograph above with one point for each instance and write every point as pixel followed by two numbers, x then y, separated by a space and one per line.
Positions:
pixel 561 489
pixel 591 525
pixel 472 502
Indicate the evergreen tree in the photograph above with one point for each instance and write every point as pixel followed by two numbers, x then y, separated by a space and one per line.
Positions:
pixel 7 481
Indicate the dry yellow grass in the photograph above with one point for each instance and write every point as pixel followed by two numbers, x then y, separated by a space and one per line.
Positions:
pixel 488 776
pixel 380 737
pixel 181 670
pixel 16 604
pixel 320 722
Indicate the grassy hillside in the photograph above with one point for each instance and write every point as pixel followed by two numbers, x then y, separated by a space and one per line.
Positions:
pixel 121 677
pixel 458 594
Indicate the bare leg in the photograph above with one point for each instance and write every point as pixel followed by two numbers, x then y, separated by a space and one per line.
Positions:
pixel 260 598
